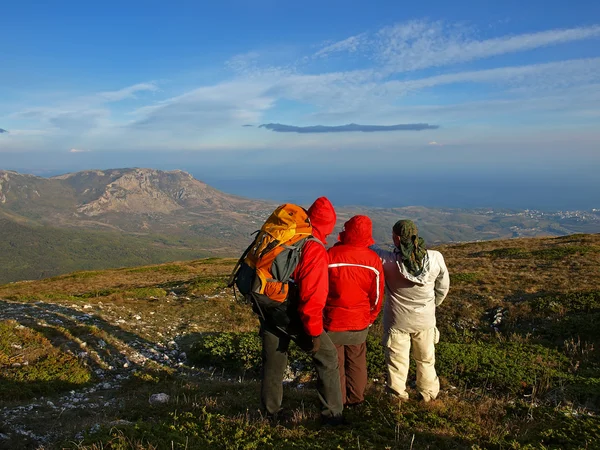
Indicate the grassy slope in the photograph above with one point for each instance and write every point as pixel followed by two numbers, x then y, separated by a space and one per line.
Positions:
pixel 532 382
pixel 28 251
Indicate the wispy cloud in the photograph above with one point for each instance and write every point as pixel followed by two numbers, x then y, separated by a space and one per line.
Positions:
pixel 234 103
pixel 538 76
pixel 78 150
pixel 128 92
pixel 66 119
pixel 420 44
pixel 378 79
pixel 349 45
pixel 352 127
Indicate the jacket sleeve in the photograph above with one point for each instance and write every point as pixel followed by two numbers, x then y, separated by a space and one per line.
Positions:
pixel 442 282
pixel 312 278
pixel 377 291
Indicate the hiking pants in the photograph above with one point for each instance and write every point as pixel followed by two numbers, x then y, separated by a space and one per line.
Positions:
pixel 397 352
pixel 274 363
pixel 352 361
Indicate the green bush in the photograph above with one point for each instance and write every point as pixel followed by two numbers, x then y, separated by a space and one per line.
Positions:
pixel 509 252
pixel 573 301
pixel 556 253
pixel 241 352
pixel 509 367
pixel 465 277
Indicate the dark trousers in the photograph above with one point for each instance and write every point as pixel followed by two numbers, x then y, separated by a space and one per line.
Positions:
pixel 274 362
pixel 352 362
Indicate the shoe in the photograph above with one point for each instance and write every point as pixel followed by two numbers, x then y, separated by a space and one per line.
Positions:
pixel 333 421
pixel 425 398
pixel 273 418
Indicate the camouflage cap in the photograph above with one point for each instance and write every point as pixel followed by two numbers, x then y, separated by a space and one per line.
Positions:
pixel 405 230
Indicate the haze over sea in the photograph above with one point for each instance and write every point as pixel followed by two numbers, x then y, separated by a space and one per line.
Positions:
pixel 526 187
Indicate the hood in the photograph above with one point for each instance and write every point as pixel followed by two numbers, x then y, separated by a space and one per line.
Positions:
pixel 358 231
pixel 419 279
pixel 322 218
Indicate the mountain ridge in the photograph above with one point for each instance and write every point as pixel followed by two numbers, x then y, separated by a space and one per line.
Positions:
pixel 156 211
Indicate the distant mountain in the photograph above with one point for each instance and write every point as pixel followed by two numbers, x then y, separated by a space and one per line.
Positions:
pixel 133 200
pixel 120 217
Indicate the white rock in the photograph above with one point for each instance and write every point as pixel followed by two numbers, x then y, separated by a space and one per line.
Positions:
pixel 158 398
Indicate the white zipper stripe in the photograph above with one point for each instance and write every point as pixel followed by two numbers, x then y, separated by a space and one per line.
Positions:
pixel 364 267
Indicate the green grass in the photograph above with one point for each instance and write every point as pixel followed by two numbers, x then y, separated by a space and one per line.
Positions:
pixel 545 254
pixel 34 252
pixel 533 382
pixel 30 365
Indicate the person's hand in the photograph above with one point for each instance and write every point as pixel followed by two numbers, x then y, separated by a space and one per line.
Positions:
pixel 316 344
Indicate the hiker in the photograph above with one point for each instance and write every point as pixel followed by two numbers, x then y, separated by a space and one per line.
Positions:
pixel 356 288
pixel 305 306
pixel 417 282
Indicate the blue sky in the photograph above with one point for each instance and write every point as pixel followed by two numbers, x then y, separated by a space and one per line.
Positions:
pixel 512 85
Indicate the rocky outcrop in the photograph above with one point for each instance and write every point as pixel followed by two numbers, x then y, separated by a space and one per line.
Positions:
pixel 154 191
pixel 138 191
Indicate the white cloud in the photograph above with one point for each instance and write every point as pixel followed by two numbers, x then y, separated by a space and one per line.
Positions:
pixel 349 45
pixel 77 150
pixel 128 92
pixel 381 92
pixel 420 44
pixel 548 75
pixel 232 103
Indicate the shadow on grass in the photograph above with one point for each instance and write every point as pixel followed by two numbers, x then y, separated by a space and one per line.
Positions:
pixel 80 346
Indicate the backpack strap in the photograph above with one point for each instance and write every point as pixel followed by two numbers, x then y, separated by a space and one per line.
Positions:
pixel 239 263
pixel 313 238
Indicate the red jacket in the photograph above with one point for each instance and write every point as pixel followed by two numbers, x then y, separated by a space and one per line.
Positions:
pixel 356 284
pixel 311 273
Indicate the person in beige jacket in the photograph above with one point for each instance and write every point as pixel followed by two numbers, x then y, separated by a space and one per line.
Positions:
pixel 416 281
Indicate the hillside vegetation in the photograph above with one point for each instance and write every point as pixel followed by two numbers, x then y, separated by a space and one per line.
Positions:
pixel 30 252
pixel 81 356
pixel 96 219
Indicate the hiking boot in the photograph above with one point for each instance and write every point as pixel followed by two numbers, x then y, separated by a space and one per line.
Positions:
pixel 333 421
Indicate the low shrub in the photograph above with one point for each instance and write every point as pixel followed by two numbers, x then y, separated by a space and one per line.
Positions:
pixel 507 367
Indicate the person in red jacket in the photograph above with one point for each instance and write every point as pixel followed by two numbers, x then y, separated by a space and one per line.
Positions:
pixel 356 289
pixel 305 316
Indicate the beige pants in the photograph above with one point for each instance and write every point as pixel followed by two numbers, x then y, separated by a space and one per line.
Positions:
pixel 397 353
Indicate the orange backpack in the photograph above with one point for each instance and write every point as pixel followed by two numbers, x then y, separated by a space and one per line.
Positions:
pixel 263 272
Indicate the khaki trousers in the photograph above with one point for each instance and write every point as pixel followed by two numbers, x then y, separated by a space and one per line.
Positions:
pixel 397 346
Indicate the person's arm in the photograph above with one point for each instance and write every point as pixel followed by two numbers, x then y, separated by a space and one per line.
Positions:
pixel 442 282
pixel 377 291
pixel 384 255
pixel 313 286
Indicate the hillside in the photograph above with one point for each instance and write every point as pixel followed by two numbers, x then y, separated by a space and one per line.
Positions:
pixel 83 354
pixel 126 217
